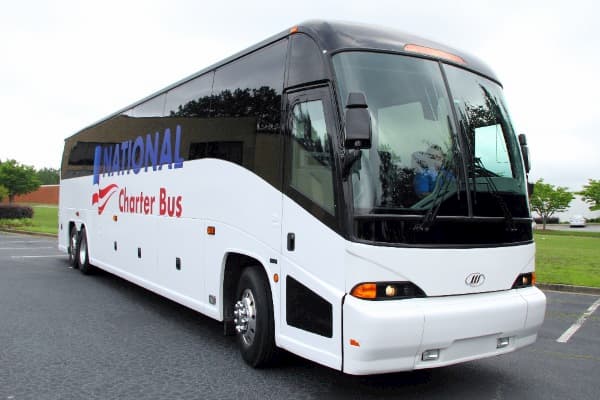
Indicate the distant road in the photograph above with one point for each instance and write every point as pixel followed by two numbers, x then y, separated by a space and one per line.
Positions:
pixel 565 227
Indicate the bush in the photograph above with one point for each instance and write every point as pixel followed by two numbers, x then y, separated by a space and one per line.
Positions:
pixel 15 212
pixel 551 220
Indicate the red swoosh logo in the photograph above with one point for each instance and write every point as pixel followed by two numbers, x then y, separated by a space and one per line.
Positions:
pixel 101 198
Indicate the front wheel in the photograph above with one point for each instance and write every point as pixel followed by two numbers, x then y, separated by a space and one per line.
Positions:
pixel 253 318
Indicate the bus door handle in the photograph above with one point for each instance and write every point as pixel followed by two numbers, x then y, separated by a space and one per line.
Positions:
pixel 291 241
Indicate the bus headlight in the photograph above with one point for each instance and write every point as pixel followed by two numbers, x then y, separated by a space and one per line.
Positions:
pixel 386 291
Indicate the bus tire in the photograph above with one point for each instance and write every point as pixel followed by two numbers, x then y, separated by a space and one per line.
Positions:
pixel 83 254
pixel 72 249
pixel 253 318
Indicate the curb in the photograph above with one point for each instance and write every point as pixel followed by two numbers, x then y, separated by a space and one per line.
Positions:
pixel 568 288
pixel 50 235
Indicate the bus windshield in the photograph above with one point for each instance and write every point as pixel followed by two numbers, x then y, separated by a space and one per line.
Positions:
pixel 419 159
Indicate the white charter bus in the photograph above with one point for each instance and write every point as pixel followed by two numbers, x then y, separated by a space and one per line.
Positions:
pixel 351 194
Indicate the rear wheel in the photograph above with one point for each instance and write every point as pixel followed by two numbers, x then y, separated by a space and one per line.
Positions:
pixel 253 318
pixel 72 250
pixel 83 254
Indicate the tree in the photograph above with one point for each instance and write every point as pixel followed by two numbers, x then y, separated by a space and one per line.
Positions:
pixel 18 178
pixel 48 176
pixel 3 192
pixel 591 194
pixel 547 199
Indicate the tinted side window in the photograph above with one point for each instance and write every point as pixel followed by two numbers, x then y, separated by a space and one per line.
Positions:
pixel 251 87
pixel 121 131
pixel 188 106
pixel 306 61
pixel 246 106
pixel 83 153
pixel 238 120
pixel 191 99
pixel 312 160
pixel 78 158
pixel 154 107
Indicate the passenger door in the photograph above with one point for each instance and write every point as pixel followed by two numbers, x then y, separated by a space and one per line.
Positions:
pixel 312 284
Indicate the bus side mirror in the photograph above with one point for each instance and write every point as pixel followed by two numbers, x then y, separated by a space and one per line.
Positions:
pixel 358 122
pixel 525 152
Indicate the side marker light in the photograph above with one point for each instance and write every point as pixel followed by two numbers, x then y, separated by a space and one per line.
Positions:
pixel 428 51
pixel 354 342
pixel 502 342
pixel 430 355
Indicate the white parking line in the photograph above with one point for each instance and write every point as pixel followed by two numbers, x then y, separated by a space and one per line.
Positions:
pixel 564 338
pixel 25 248
pixel 24 241
pixel 46 256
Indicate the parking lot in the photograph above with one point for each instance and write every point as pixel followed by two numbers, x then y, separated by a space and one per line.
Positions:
pixel 64 335
pixel 565 227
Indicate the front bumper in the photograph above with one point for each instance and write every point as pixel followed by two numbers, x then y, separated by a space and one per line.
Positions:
pixel 391 335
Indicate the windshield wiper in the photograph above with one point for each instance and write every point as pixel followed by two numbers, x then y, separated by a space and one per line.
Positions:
pixel 442 188
pixel 480 170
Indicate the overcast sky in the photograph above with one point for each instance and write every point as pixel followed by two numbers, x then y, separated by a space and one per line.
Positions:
pixel 66 64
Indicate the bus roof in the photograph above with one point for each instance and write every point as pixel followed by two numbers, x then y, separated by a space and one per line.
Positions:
pixel 334 37
pixel 338 36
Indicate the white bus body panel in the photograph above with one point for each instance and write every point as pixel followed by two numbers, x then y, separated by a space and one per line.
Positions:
pixel 462 321
pixel 233 200
pixel 462 328
pixel 253 218
pixel 318 263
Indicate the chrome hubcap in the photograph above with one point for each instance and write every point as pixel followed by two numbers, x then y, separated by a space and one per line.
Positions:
pixel 245 317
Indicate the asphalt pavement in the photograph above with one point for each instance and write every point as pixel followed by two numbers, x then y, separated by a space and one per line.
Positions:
pixel 64 335
pixel 566 227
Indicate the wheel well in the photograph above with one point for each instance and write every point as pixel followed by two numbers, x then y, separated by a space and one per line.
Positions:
pixel 234 265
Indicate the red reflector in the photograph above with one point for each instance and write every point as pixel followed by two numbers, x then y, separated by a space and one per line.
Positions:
pixel 428 51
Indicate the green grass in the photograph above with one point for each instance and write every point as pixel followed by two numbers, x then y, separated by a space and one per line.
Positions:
pixel 576 233
pixel 571 258
pixel 45 220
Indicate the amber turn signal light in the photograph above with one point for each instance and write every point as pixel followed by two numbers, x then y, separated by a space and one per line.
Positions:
pixel 524 280
pixel 365 291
